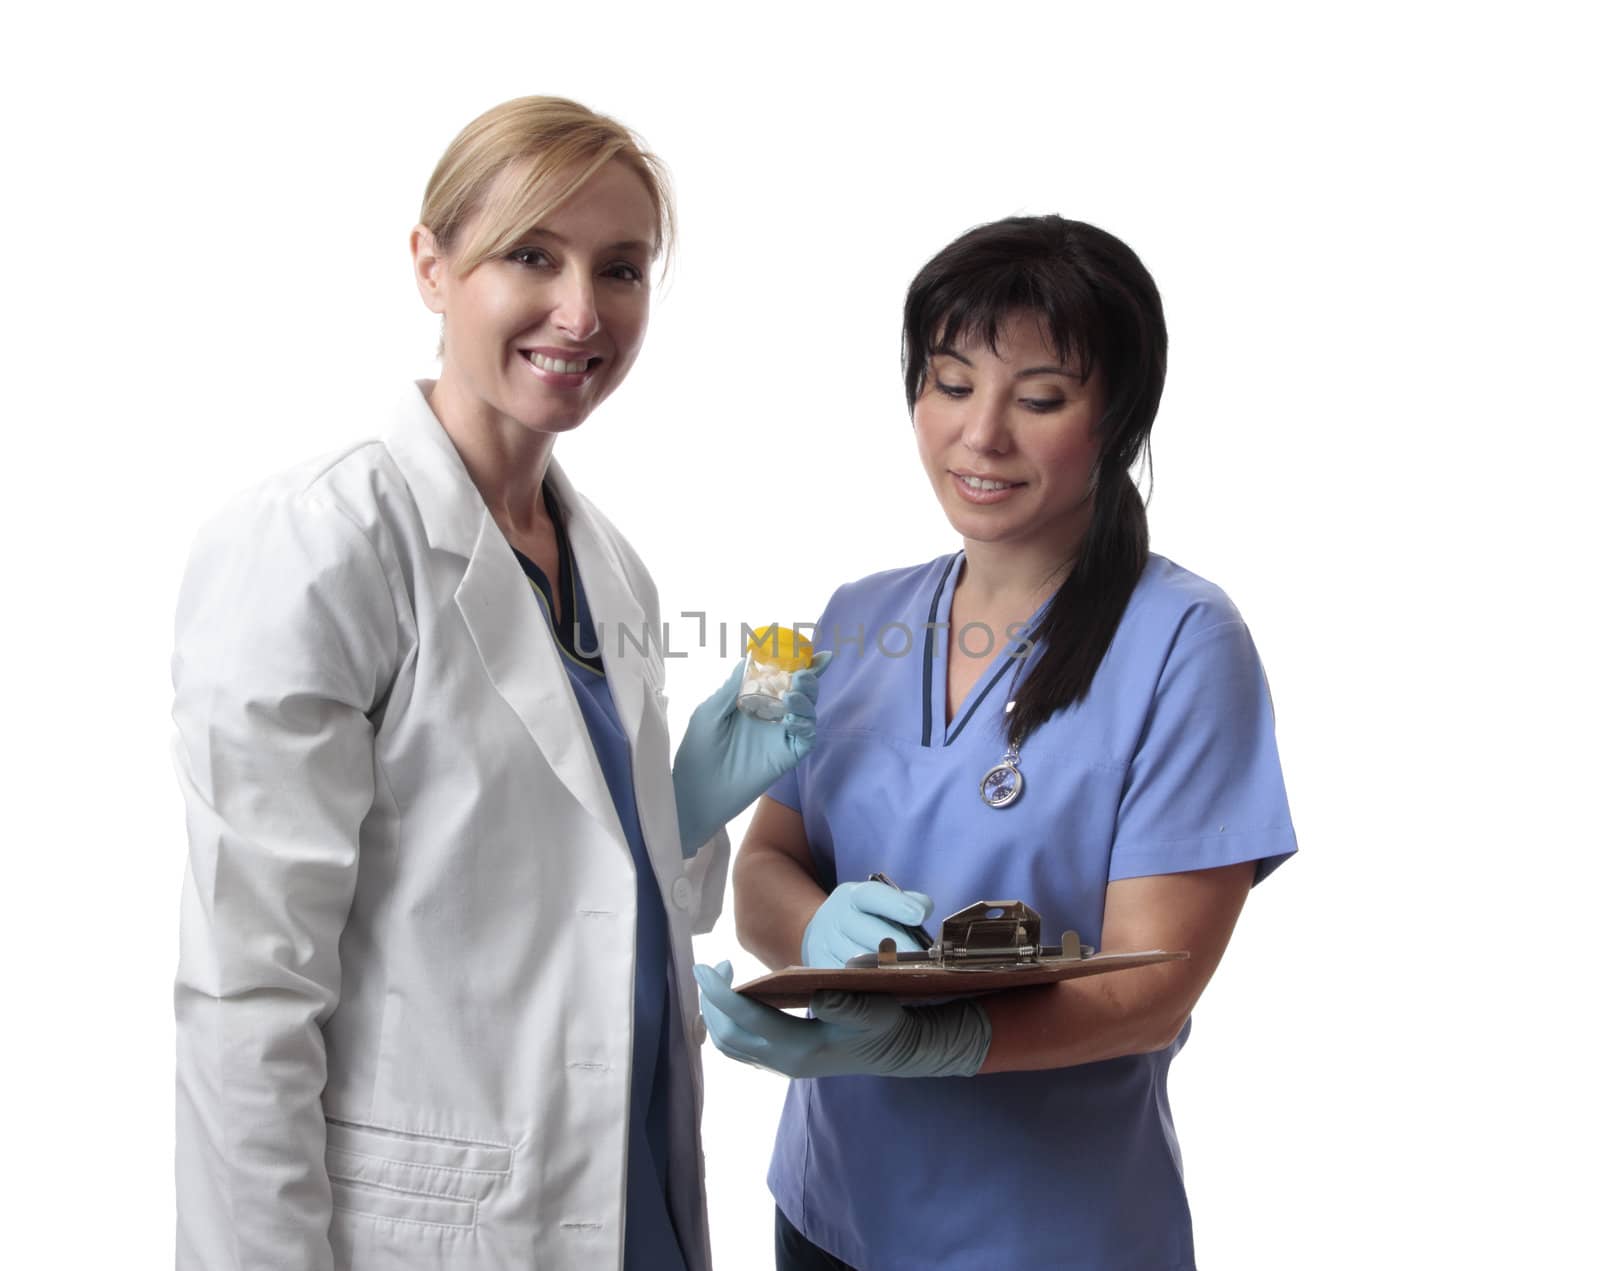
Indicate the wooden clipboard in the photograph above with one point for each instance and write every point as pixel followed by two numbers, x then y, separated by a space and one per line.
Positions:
pixel 793 986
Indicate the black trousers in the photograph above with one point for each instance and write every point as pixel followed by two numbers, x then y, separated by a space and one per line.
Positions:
pixel 796 1253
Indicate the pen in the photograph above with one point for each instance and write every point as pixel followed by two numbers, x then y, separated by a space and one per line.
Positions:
pixel 917 933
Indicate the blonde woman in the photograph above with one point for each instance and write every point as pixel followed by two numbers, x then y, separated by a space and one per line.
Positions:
pixel 434 1000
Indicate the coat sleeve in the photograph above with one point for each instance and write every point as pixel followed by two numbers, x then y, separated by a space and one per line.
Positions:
pixel 707 872
pixel 286 640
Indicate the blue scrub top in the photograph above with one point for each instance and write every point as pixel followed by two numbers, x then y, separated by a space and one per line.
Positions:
pixel 651 1240
pixel 1170 764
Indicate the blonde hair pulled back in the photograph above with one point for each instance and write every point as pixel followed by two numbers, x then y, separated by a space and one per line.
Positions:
pixel 516 163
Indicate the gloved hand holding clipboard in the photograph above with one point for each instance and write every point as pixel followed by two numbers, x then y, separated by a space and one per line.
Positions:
pixel 987 947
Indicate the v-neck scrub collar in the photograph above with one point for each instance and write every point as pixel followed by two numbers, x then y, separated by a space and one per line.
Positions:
pixel 574 633
pixel 1011 660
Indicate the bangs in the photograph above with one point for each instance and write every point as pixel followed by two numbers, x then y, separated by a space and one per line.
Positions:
pixel 1094 301
pixel 975 303
pixel 978 312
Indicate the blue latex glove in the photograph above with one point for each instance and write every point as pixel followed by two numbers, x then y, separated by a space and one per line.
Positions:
pixel 850 1034
pixel 727 759
pixel 856 917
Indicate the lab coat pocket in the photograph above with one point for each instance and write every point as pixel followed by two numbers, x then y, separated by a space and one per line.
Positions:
pixel 411 1177
pixel 426 1209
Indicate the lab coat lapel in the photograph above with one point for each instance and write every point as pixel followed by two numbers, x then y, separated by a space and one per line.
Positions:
pixel 499 609
pixel 522 659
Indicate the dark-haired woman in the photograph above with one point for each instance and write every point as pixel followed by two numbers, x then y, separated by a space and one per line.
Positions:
pixel 1051 713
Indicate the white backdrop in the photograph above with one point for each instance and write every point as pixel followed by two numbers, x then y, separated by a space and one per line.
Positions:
pixel 1374 233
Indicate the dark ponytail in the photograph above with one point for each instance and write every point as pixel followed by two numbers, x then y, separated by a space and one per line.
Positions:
pixel 1101 307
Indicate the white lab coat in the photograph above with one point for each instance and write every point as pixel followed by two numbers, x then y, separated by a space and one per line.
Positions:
pixel 405 987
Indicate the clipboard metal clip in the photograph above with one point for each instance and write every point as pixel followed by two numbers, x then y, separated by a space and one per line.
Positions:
pixel 990 935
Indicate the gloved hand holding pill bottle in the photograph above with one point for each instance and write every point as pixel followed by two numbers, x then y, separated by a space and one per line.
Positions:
pixel 772 655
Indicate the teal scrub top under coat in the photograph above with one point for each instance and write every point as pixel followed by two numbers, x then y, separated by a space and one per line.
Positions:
pixel 1170 764
pixel 650 1239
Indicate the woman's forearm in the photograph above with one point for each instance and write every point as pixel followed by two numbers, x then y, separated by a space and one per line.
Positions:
pixel 774 897
pixel 1084 1021
pixel 1125 1012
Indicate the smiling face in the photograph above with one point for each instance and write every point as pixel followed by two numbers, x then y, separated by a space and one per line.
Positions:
pixel 1009 439
pixel 538 337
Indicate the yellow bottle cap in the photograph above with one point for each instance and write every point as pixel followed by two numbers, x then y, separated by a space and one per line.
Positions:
pixel 782 647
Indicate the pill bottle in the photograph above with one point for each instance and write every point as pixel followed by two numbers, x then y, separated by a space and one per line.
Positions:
pixel 772 656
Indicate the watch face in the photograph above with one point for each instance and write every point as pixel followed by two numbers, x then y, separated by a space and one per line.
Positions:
pixel 1001 785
